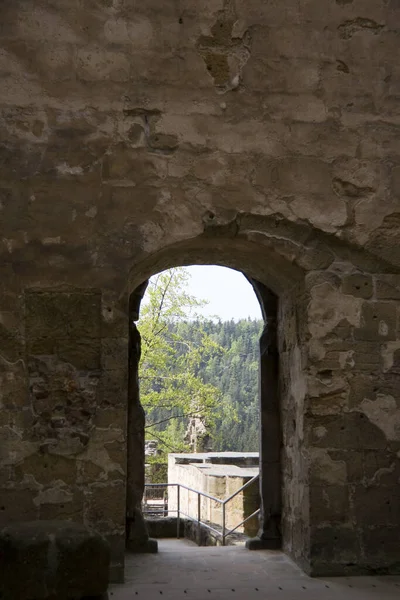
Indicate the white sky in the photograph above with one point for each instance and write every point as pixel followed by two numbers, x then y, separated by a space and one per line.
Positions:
pixel 229 293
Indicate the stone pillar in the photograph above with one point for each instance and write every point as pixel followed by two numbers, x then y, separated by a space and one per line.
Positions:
pixel 269 535
pixel 137 537
pixel 68 462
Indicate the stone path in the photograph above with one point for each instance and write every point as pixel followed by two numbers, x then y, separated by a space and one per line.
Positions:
pixel 182 570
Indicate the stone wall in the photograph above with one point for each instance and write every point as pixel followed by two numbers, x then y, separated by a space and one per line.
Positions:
pixel 63 456
pixel 295 467
pixel 209 473
pixel 257 135
pixel 352 422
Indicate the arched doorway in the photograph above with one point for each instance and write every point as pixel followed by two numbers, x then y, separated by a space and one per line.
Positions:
pixel 272 469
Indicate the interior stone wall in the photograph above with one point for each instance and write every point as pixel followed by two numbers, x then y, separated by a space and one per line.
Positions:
pixel 352 420
pixel 294 459
pixel 258 135
pixel 64 418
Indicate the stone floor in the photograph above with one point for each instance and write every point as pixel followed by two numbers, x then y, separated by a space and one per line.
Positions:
pixel 183 570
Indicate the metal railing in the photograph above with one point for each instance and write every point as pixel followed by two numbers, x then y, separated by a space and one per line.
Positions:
pixel 179 512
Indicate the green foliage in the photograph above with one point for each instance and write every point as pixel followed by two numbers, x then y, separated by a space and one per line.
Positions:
pixel 170 385
pixel 235 373
pixel 196 366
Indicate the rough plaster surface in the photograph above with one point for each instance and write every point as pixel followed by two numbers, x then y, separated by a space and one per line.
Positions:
pixel 258 135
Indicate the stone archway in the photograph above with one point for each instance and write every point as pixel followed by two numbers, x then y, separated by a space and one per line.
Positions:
pixel 333 333
pixel 338 343
pixel 269 535
pixel 286 284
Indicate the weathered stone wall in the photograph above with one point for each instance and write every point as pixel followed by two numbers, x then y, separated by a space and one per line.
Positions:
pixel 259 135
pixel 64 425
pixel 293 389
pixel 352 422
pixel 219 479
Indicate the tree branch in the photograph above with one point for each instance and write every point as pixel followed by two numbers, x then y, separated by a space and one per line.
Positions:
pixel 173 417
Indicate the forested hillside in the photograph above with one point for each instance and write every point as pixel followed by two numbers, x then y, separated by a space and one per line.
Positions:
pixel 234 372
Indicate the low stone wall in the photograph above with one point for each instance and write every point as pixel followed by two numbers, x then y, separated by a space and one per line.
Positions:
pixel 166 527
pixel 220 475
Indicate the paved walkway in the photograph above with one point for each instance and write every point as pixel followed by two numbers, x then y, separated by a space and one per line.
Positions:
pixel 182 570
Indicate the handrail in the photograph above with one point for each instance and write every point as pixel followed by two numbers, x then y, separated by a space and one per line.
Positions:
pixel 224 534
pixel 185 487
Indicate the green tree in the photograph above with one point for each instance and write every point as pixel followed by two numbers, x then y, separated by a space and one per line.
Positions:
pixel 171 386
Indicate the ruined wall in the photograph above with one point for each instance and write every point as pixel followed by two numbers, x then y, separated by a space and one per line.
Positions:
pixel 219 479
pixel 268 129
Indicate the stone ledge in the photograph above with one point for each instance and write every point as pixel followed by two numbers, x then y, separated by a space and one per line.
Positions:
pixel 52 560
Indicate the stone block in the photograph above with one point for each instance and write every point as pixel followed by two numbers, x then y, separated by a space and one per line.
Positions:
pixel 366 357
pixel 52 559
pixel 117 454
pixel 105 506
pixel 60 503
pixel 352 431
pixel 114 353
pixel 133 165
pixel 291 42
pixel 362 386
pixel 83 354
pixel 328 467
pixel 13 385
pixel 117 550
pixel 358 285
pixel 114 418
pixel 381 467
pixel 89 472
pixel 115 320
pixel 22 160
pixel 333 543
pixel 102 65
pixel 51 62
pixel 45 468
pixel 378 322
pixel 17 502
pixel 388 287
pixel 329 503
pixel 41 346
pixel 381 549
pixel 281 76
pixel 112 389
pixel 377 504
pixel 391 358
pixel 57 315
pixel 353 461
pixel 16 419
pixel 294 175
pixel 11 343
pixel 165 527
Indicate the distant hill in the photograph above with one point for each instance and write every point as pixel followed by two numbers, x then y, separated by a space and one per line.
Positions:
pixel 235 374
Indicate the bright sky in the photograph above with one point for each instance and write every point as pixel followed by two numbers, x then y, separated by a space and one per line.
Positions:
pixel 228 292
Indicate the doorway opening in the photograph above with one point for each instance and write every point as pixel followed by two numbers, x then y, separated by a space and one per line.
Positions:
pixel 269 433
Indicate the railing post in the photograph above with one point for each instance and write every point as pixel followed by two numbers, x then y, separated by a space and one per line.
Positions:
pixel 198 518
pixel 178 517
pixel 223 523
